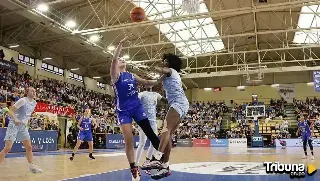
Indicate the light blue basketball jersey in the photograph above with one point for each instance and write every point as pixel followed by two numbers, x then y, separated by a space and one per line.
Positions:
pixel 173 87
pixel 149 101
pixel 25 109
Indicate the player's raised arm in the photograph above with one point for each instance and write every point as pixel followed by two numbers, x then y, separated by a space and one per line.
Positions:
pixel 148 82
pixel 114 70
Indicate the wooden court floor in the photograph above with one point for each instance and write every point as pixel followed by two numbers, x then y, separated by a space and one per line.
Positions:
pixel 58 167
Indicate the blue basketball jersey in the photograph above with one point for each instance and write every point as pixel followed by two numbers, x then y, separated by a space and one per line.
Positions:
pixel 305 127
pixel 125 90
pixel 86 124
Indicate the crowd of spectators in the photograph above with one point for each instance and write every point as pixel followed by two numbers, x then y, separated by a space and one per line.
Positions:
pixel 203 120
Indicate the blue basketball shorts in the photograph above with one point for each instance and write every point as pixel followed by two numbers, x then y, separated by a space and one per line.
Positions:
pixel 85 136
pixel 137 114
pixel 306 137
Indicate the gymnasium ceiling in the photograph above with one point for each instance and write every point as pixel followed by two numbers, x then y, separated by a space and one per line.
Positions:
pixel 228 38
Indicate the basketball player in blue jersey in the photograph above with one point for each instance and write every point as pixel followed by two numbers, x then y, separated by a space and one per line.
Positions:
pixel 85 132
pixel 128 106
pixel 178 108
pixel 17 130
pixel 149 101
pixel 307 131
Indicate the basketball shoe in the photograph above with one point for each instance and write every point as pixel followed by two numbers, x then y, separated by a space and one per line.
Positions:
pixel 304 157
pixel 164 172
pixel 152 164
pixel 135 174
pixel 34 169
pixel 148 172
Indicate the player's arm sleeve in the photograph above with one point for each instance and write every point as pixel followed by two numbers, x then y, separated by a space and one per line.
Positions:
pixel 14 108
pixel 19 103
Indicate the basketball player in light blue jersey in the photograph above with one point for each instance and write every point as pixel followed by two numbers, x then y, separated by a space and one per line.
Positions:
pixel 178 108
pixel 129 106
pixel 85 133
pixel 17 130
pixel 149 101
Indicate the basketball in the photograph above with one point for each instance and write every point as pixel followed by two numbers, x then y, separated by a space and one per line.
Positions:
pixel 137 14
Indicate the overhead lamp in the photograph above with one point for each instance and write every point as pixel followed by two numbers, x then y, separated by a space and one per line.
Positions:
pixel 75 69
pixel 111 48
pixel 275 85
pixel 43 7
pixel 310 84
pixel 47 58
pixel 126 56
pixel 96 77
pixel 94 38
pixel 207 89
pixel 241 87
pixel 14 46
pixel 71 24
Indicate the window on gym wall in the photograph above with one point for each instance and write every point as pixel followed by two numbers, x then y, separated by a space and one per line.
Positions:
pixel 52 69
pixel 76 77
pixel 26 60
pixel 100 85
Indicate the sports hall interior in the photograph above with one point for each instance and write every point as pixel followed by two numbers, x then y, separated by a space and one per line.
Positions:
pixel 235 53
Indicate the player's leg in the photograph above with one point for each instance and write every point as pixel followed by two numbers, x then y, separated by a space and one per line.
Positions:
pixel 151 149
pixel 141 119
pixel 5 150
pixel 89 139
pixel 11 135
pixel 304 141
pixel 165 171
pixel 80 139
pixel 311 148
pixel 90 143
pixel 174 117
pixel 142 143
pixel 125 118
pixel 24 136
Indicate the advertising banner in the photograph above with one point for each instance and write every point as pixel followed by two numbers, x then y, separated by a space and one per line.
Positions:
pixel 59 110
pixel 201 143
pixel 297 142
pixel 219 143
pixel 257 141
pixel 287 92
pixel 4 64
pixel 40 140
pixel 184 143
pixel 116 141
pixel 238 142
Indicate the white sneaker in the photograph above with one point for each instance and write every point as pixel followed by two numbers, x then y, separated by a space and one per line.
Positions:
pixel 135 174
pixel 312 157
pixel 34 169
pixel 304 157
pixel 161 173
pixel 152 164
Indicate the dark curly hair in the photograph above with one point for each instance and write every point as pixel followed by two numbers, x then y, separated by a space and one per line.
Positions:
pixel 174 61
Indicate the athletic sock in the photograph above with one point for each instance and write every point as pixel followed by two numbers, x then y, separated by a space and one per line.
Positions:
pixel 306 153
pixel 72 154
pixel 132 165
pixel 90 154
pixel 158 155
pixel 312 153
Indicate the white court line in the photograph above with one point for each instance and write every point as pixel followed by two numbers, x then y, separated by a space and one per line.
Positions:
pixel 110 155
pixel 86 175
